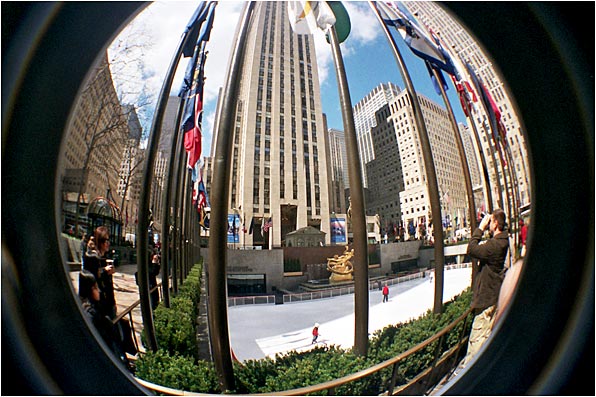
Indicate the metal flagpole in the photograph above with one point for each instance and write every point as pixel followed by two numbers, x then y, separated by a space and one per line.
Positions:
pixel 222 162
pixel 146 180
pixel 429 165
pixel 360 244
pixel 462 154
pixel 167 220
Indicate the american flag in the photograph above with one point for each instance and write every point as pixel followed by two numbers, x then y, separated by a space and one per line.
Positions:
pixel 267 225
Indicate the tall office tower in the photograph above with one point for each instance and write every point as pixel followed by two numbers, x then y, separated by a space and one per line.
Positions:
pixel 385 174
pixel 465 49
pixel 338 159
pixel 414 200
pixel 364 120
pixel 279 155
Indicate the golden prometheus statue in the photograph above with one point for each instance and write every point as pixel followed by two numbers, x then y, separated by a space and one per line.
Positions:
pixel 340 266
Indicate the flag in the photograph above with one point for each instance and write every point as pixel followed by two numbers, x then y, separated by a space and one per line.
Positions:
pixel 204 219
pixel 494 114
pixel 192 87
pixel 415 37
pixel 306 16
pixel 203 200
pixel 268 225
pixel 467 96
pixel 193 28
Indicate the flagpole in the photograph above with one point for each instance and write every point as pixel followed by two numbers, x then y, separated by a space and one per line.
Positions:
pixel 217 282
pixel 461 151
pixel 167 220
pixel 146 180
pixel 360 244
pixel 429 165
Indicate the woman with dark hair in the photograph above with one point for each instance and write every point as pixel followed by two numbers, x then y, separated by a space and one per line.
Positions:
pixel 89 294
pixel 96 263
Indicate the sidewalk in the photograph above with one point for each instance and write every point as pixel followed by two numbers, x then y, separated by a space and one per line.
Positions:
pixel 126 292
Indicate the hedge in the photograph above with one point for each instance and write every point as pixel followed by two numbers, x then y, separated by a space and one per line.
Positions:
pixel 176 365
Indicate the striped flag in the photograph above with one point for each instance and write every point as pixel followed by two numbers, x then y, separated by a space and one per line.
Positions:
pixel 267 225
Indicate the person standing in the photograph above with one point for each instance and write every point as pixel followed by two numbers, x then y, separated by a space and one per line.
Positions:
pixel 491 271
pixel 385 293
pixel 315 333
pixel 95 262
pixel 83 245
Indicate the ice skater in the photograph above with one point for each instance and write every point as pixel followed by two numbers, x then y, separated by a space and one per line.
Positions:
pixel 315 333
pixel 385 293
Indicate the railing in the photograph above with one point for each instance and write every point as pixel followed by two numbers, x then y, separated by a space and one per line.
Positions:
pixel 128 311
pixel 251 300
pixel 330 292
pixel 428 375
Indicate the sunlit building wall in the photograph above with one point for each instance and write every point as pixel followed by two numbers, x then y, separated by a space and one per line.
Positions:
pixel 464 49
pixel 96 139
pixel 339 170
pixel 414 199
pixel 279 156
pixel 364 120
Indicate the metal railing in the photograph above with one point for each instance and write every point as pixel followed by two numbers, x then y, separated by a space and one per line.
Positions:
pixel 128 311
pixel 427 376
pixel 329 292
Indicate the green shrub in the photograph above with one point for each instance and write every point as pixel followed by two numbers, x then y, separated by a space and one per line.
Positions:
pixel 175 364
pixel 177 372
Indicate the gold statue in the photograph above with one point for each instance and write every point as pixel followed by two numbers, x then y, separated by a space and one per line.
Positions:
pixel 340 266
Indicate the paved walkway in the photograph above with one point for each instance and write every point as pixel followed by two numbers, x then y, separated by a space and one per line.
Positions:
pixel 258 331
pixel 126 292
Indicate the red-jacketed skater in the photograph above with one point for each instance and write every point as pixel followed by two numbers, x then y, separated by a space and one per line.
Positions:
pixel 385 293
pixel 315 333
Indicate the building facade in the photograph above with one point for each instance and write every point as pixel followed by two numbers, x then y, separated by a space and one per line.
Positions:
pixel 279 152
pixel 95 142
pixel 464 49
pixel 338 160
pixel 364 119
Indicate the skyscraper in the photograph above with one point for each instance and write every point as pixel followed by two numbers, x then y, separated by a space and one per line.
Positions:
pixel 339 170
pixel 465 49
pixel 279 156
pixel 364 120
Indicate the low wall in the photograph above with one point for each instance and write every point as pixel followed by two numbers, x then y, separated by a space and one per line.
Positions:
pixel 427 255
pixel 396 252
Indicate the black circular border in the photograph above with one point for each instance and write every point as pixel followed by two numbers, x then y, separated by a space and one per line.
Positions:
pixel 544 54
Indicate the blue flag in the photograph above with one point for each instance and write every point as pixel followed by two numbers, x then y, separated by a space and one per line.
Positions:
pixel 414 36
pixel 193 28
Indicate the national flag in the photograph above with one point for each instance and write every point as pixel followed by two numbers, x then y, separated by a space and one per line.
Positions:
pixel 204 219
pixel 467 96
pixel 494 114
pixel 192 89
pixel 306 16
pixel 203 200
pixel 268 225
pixel 194 27
pixel 415 37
